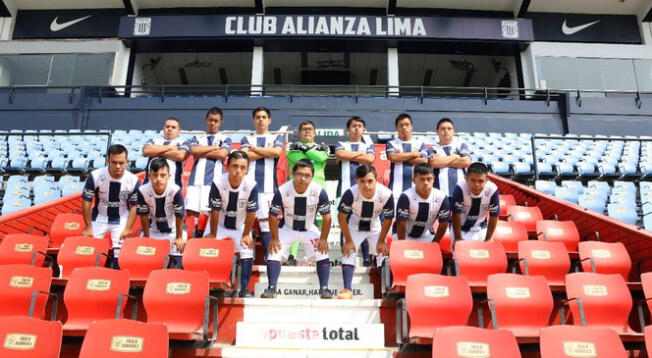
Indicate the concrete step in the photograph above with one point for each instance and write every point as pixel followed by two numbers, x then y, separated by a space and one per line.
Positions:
pixel 311 290
pixel 308 275
pixel 245 352
pixel 310 335
pixel 261 310
pixel 304 270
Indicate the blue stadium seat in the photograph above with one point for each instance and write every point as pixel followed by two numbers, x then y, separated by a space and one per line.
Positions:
pixel 79 164
pixel 522 169
pixel 647 222
pixel 71 188
pixel 10 206
pixel 59 165
pixel 623 212
pixel 590 202
pixel 545 186
pixel 140 164
pixel 500 168
pixel 568 194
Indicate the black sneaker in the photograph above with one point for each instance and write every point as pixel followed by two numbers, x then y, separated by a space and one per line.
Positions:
pixel 245 293
pixel 325 293
pixel 366 262
pixel 268 293
pixel 292 261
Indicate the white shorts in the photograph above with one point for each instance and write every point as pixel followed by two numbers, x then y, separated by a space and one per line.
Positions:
pixel 476 235
pixel 100 229
pixel 170 236
pixel 264 201
pixel 197 198
pixel 309 239
pixel 358 237
pixel 235 236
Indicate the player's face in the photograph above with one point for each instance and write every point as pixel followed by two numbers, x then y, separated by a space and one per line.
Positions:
pixel 159 179
pixel 404 128
pixel 446 131
pixel 423 183
pixel 355 130
pixel 117 164
pixel 213 123
pixel 262 121
pixel 367 184
pixel 476 182
pixel 302 177
pixel 237 170
pixel 171 130
pixel 307 133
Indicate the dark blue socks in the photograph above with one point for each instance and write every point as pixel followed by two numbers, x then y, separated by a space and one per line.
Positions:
pixel 347 275
pixel 323 272
pixel 273 272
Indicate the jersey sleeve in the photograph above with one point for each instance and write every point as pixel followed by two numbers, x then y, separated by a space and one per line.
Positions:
pixel 390 149
pixel 317 155
pixel 177 204
pixel 403 208
pixel 184 146
pixel 192 142
pixel 133 196
pixel 214 198
pixel 226 143
pixel 150 142
pixel 371 149
pixel 458 200
pixel 141 207
pixel 465 151
pixel 388 209
pixel 252 202
pixel 445 211
pixel 244 143
pixel 346 202
pixel 324 205
pixel 422 149
pixel 89 189
pixel 277 204
pixel 278 142
pixel 494 204
pixel 339 146
pixel 430 153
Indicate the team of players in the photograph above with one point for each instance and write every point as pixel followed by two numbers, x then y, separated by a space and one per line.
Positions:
pixel 426 185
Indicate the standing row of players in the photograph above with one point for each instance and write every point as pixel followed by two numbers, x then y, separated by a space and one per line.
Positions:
pixel 426 185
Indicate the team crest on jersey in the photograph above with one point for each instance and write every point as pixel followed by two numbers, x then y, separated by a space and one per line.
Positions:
pixel 242 203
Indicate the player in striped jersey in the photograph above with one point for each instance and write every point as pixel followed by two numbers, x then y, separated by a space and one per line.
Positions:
pixel 160 207
pixel 404 153
pixel 234 201
pixel 473 199
pixel 360 210
pixel 264 150
pixel 170 147
pixel 209 151
pixel 419 207
pixel 114 190
pixel 450 157
pixel 300 200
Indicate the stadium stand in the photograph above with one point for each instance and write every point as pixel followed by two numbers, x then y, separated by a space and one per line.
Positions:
pixel 28 337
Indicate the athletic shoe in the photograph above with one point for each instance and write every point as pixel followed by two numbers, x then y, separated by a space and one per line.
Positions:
pixel 245 293
pixel 345 294
pixel 325 293
pixel 292 261
pixel 268 293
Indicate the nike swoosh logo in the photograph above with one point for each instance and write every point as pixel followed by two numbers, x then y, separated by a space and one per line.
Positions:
pixel 571 30
pixel 54 26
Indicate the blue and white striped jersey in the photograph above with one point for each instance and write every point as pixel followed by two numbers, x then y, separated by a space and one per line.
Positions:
pixel 420 214
pixel 233 203
pixel 364 214
pixel 162 209
pixel 347 168
pixel 263 170
pixel 300 210
pixel 176 168
pixel 113 197
pixel 447 178
pixel 401 173
pixel 204 170
pixel 474 208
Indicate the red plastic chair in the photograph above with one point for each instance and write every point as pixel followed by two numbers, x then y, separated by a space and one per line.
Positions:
pixel 210 255
pixel 506 200
pixel 528 215
pixel 142 255
pixel 63 226
pixel 20 285
pixel 646 282
pixel 648 340
pixel 606 301
pixel 605 257
pixel 94 293
pixel 29 337
pixel 478 259
pixel 118 338
pixel 454 342
pixel 23 249
pixel 562 231
pixel 81 251
pixel 445 242
pixel 546 258
pixel 188 293
pixel 509 233
pixel 522 304
pixel 574 341
pixel 408 257
pixel 433 301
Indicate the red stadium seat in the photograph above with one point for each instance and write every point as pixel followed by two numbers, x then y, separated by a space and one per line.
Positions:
pixel 454 342
pixel 478 259
pixel 648 340
pixel 506 200
pixel 408 257
pixel 23 249
pixel 188 293
pixel 142 255
pixel 210 255
pixel 606 300
pixel 118 338
pixel 509 233
pixel 574 341
pixel 545 258
pixel 605 257
pixel 65 225
pixel 445 242
pixel 18 284
pixel 81 251
pixel 562 231
pixel 434 301
pixel 29 337
pixel 93 293
pixel 528 215
pixel 523 304
pixel 646 282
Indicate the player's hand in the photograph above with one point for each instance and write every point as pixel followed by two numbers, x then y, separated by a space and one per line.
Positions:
pixel 293 146
pixel 180 244
pixel 348 248
pixel 381 248
pixel 210 235
pixel 304 148
pixel 125 234
pixel 88 231
pixel 274 246
pixel 324 148
pixel 247 241
pixel 322 246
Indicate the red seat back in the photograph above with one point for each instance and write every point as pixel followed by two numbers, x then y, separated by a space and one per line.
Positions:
pixel 29 337
pixel 562 231
pixel 445 242
pixel 605 298
pixel 574 341
pixel 435 301
pixel 118 338
pixel 454 342
pixel 92 294
pixel 509 233
pixel 65 225
pixel 81 251
pixel 506 200
pixel 646 282
pixel 608 257
pixel 142 255
pixel 528 215
pixel 20 248
pixel 18 283
pixel 523 303
pixel 408 257
pixel 545 258
pixel 648 340
pixel 210 255
pixel 478 259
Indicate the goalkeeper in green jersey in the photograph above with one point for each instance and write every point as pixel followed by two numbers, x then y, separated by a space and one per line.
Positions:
pixel 306 148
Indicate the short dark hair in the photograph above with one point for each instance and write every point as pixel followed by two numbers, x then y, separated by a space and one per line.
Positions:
pixel 303 163
pixel 258 109
pixel 215 110
pixel 401 117
pixel 445 120
pixel 423 169
pixel 116 149
pixel 365 169
pixel 173 119
pixel 157 164
pixel 236 154
pixel 307 123
pixel 355 119
pixel 477 168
